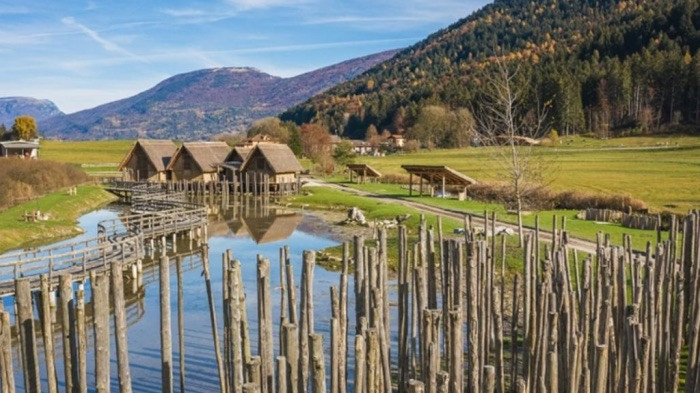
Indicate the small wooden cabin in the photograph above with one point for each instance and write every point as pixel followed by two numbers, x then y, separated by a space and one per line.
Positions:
pixel 198 161
pixel 275 160
pixel 147 160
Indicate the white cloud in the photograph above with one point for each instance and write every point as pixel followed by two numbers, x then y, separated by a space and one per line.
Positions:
pixel 184 12
pixel 253 4
pixel 95 36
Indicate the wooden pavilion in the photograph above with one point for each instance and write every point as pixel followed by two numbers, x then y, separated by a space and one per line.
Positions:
pixel 362 171
pixel 436 175
pixel 198 161
pixel 147 160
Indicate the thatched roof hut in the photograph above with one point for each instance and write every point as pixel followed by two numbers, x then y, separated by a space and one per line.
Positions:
pixel 275 160
pixel 148 159
pixel 272 228
pixel 198 161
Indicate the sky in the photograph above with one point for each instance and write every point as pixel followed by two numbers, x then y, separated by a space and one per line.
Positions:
pixel 81 54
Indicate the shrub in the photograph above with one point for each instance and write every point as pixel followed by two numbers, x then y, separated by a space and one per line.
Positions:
pixel 27 179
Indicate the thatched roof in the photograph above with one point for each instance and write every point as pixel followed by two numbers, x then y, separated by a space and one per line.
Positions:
pixel 238 154
pixel 207 155
pixel 279 156
pixel 158 152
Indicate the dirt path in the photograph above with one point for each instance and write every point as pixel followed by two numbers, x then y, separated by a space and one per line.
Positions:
pixel 574 243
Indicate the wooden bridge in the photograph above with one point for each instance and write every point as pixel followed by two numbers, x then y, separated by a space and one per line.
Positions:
pixel 156 214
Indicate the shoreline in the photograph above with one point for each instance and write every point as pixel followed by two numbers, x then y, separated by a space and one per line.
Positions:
pixel 64 211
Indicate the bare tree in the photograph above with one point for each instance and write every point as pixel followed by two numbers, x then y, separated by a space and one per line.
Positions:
pixel 511 135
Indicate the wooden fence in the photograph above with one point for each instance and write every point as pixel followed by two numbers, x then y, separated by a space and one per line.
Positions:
pixel 610 322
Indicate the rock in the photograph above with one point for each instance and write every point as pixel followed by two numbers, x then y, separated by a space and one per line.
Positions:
pixel 356 215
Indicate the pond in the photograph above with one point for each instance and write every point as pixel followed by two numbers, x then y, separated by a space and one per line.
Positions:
pixel 247 230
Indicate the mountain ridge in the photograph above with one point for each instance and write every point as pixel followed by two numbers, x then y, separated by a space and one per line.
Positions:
pixel 202 103
pixel 11 107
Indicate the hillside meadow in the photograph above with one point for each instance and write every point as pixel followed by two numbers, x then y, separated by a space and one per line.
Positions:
pixel 664 172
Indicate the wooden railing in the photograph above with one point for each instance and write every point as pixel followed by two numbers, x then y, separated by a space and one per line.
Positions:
pixel 119 240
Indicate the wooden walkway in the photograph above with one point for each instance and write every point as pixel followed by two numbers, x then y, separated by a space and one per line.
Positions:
pixel 156 214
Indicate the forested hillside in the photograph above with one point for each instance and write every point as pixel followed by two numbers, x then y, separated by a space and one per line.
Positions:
pixel 607 66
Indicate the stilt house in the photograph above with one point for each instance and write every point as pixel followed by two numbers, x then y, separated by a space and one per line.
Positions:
pixel 198 161
pixel 147 160
pixel 276 161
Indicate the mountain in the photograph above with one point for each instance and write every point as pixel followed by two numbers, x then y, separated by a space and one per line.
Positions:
pixel 11 107
pixel 601 66
pixel 199 104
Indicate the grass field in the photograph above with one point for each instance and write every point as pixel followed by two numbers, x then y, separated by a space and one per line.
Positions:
pixel 663 172
pixel 92 156
pixel 63 209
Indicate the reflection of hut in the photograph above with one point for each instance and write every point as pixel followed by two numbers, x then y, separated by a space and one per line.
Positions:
pixel 363 171
pixel 148 160
pixel 198 161
pixel 274 227
pixel 443 176
pixel 234 160
pixel 275 160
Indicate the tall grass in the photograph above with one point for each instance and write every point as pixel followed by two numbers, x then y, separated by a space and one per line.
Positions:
pixel 22 180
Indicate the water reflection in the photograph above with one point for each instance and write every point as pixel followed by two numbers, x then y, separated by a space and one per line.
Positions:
pixel 248 229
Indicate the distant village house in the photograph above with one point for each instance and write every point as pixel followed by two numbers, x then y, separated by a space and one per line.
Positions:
pixel 147 160
pixel 22 149
pixel 255 139
pixel 396 141
pixel 198 161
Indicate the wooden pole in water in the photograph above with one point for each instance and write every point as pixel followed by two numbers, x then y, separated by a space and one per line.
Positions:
pixel 47 331
pixel 318 362
pixel 360 364
pixel 489 379
pixel 99 284
pixel 343 322
pixel 281 374
pixel 81 333
pixel 65 285
pixel 212 318
pixel 181 322
pixel 166 349
pixel 120 329
pixel 25 325
pixel 8 377
pixel 291 348
pixel 307 320
pixel 265 337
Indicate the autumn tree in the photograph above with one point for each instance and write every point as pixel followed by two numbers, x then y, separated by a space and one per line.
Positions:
pixel 344 153
pixel 437 126
pixel 24 128
pixel 271 126
pixel 372 136
pixel 315 141
pixel 505 129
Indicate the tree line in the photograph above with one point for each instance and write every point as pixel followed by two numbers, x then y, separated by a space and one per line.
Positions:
pixel 603 67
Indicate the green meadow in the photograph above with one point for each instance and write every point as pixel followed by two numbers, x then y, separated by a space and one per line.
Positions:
pixel 664 172
pixel 63 210
pixel 92 156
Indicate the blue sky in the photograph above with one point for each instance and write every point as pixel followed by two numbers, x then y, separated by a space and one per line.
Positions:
pixel 80 54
